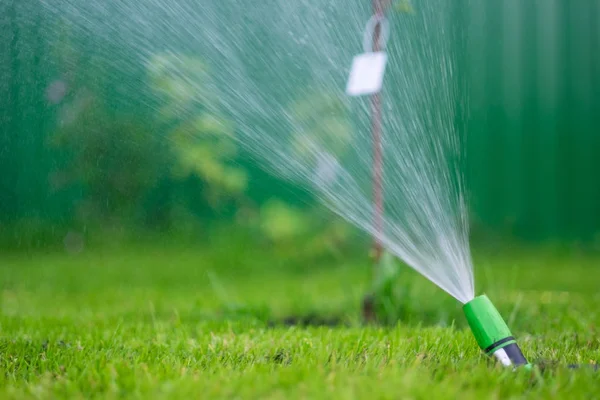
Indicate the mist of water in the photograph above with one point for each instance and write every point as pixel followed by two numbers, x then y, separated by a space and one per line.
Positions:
pixel 278 68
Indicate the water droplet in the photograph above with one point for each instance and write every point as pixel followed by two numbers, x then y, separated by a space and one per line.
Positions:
pixel 56 91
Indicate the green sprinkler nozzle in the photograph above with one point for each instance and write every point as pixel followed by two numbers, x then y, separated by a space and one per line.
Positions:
pixel 492 333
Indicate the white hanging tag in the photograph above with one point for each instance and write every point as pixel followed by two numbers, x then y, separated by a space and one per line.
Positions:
pixel 366 75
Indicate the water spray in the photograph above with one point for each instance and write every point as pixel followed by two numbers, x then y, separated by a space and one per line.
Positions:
pixel 425 222
pixel 366 78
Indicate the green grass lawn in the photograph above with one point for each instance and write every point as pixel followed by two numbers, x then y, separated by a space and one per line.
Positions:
pixel 154 322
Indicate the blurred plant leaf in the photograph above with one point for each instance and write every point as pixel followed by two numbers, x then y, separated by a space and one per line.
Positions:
pixel 404 6
pixel 281 221
pixel 321 121
pixel 114 160
pixel 202 139
pixel 388 291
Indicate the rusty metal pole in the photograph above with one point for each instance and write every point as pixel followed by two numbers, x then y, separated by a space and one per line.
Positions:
pixel 379 7
pixel 368 311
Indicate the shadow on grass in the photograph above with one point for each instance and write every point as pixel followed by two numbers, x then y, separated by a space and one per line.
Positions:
pixel 420 317
pixel 548 367
pixel 401 304
pixel 310 320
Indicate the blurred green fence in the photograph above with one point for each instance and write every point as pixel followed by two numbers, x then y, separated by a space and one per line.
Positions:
pixel 534 142
pixel 535 103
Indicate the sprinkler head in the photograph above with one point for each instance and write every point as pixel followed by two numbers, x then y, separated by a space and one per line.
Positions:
pixel 492 333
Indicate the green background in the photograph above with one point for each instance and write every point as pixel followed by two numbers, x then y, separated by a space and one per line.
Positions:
pixel 533 142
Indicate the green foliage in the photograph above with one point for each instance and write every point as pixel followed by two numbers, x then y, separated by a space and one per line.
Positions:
pixel 186 157
pixel 204 146
pixel 322 122
pixel 181 82
pixel 201 140
pixel 280 221
pixel 114 159
pixel 304 232
pixel 390 290
pixel 404 6
pixel 28 233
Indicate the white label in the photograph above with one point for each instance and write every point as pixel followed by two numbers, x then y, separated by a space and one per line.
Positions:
pixel 366 75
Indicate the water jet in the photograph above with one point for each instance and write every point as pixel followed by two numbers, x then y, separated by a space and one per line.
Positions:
pixel 274 71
